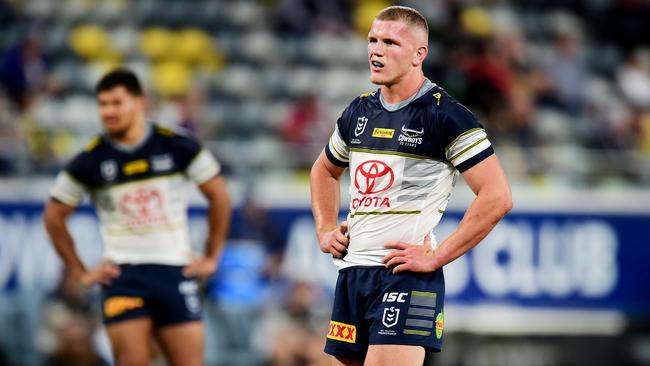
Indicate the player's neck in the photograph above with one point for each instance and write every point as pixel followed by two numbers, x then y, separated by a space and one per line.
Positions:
pixel 133 135
pixel 404 89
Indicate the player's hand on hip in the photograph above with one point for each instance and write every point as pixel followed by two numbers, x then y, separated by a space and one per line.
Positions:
pixel 336 241
pixel 409 257
pixel 201 267
pixel 105 272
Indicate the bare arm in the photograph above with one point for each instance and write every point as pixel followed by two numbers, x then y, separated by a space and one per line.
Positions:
pixel 325 202
pixel 216 192
pixel 493 200
pixel 54 219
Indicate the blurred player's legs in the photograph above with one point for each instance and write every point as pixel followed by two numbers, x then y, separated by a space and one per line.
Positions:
pixel 130 340
pixel 182 343
pixel 393 354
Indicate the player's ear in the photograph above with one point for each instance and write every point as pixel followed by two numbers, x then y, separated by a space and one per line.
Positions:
pixel 420 55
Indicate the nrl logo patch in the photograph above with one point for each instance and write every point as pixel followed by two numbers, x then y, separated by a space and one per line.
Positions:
pixel 108 169
pixel 391 315
pixel 361 126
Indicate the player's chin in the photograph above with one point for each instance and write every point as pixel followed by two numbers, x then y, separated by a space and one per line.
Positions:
pixel 378 79
pixel 115 131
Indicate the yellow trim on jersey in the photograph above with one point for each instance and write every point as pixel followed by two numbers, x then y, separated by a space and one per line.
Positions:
pixel 467 149
pixel 417 332
pixel 93 143
pixel 367 94
pixel 341 156
pixel 165 131
pixel 461 135
pixel 391 152
pixel 437 96
pixel 365 213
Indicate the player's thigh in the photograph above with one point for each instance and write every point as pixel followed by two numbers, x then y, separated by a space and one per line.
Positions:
pixel 393 354
pixel 130 340
pixel 182 343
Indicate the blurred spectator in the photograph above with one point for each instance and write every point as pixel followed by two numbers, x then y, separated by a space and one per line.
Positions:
pixel 306 128
pixel 73 333
pixel 23 71
pixel 634 78
pixel 489 78
pixel 291 332
pixel 70 326
pixel 565 66
pixel 306 17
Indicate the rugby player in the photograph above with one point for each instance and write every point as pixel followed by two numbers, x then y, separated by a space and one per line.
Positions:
pixel 137 175
pixel 404 144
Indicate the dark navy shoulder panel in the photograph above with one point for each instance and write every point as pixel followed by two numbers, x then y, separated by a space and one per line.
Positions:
pixel 183 147
pixel 346 123
pixel 452 119
pixel 83 166
pixel 103 164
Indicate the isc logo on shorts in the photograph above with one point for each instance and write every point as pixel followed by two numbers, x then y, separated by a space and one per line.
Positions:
pixel 342 332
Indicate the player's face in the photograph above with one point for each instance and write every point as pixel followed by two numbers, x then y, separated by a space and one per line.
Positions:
pixel 118 110
pixel 392 49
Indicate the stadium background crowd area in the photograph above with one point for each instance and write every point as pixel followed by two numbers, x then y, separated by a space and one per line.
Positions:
pixel 563 88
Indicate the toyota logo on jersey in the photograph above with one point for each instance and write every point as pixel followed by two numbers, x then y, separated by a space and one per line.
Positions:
pixel 373 176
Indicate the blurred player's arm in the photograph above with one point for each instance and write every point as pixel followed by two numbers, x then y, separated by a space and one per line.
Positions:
pixel 325 202
pixel 215 191
pixel 493 200
pixel 54 219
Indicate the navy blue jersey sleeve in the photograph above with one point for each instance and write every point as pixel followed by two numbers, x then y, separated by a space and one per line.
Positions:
pixel 463 137
pixel 337 149
pixel 82 168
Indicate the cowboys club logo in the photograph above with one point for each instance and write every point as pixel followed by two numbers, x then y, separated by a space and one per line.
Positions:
pixel 361 126
pixel 373 176
pixel 412 133
pixel 410 137
pixel 391 316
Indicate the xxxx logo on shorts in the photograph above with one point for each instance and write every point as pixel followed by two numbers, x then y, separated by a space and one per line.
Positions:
pixel 120 304
pixel 342 332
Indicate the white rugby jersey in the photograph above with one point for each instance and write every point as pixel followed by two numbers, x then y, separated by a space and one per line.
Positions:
pixel 403 161
pixel 140 193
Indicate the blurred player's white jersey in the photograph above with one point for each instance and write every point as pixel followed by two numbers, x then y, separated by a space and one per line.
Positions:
pixel 403 161
pixel 140 194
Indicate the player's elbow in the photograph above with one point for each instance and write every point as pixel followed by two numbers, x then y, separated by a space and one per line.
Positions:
pixel 317 171
pixel 503 203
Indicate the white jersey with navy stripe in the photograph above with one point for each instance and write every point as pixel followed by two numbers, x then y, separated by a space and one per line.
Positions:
pixel 403 161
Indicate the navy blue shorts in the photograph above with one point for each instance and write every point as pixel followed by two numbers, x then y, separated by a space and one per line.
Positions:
pixel 374 306
pixel 160 292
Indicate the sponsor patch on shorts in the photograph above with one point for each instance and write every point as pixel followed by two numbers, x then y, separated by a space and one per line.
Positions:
pixel 342 332
pixel 117 305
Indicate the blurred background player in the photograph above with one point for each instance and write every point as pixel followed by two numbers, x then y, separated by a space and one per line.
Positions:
pixel 404 145
pixel 136 174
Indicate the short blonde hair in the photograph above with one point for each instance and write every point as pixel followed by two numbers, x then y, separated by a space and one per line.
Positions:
pixel 404 14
